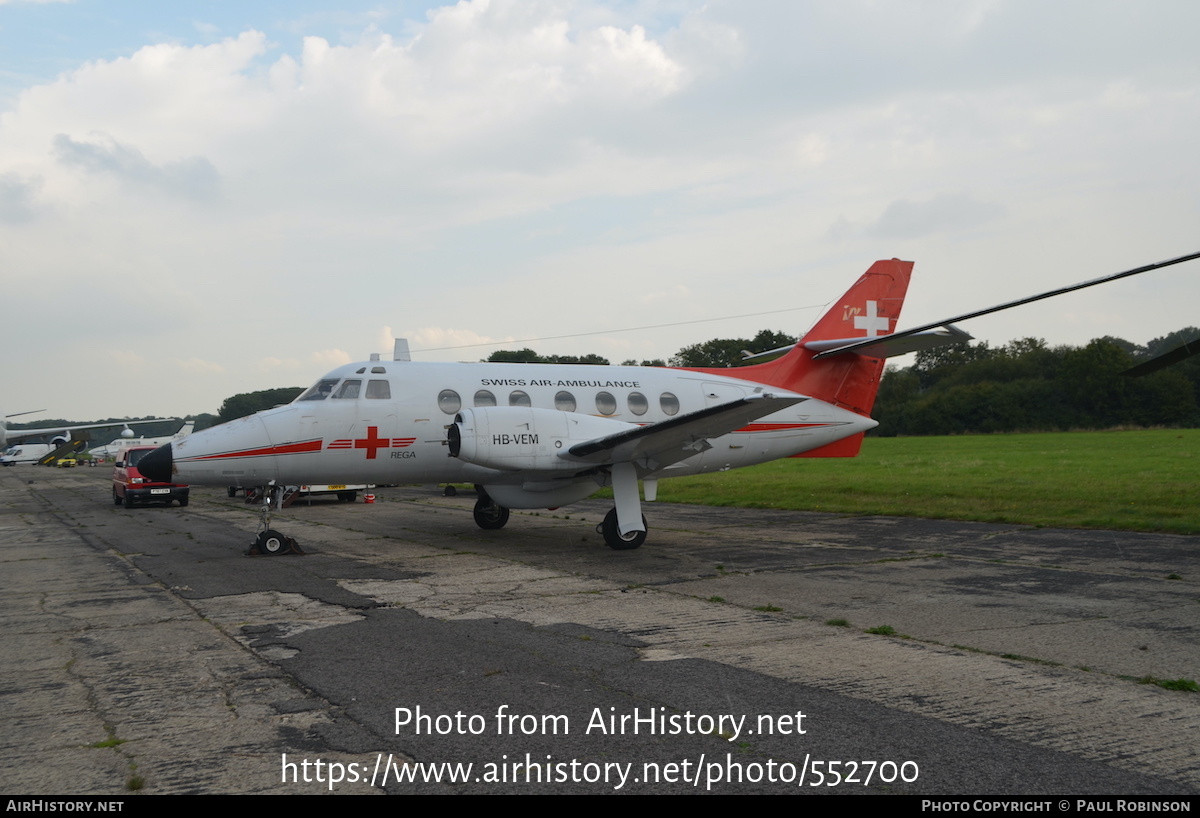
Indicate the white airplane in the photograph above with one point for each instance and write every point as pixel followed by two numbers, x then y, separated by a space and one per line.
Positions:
pixel 546 435
pixel 128 439
pixel 57 436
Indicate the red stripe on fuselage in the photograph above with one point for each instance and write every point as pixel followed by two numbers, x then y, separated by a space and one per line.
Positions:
pixel 287 448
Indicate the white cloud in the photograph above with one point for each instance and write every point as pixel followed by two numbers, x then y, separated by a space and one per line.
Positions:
pixel 193 177
pixel 507 170
pixel 462 344
pixel 199 366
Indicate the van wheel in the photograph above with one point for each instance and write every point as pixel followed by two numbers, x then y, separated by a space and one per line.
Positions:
pixel 116 497
pixel 128 500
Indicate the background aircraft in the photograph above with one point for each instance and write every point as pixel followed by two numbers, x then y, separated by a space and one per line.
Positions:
pixel 55 435
pixel 127 439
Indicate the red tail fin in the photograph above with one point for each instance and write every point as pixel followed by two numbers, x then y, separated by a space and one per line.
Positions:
pixel 871 307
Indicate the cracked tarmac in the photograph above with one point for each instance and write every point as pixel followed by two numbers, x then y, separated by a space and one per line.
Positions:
pixel 144 652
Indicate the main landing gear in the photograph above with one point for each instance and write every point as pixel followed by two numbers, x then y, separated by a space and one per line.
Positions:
pixel 624 527
pixel 613 537
pixel 489 515
pixel 268 541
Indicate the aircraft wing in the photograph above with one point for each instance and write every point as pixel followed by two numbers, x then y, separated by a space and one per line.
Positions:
pixel 660 444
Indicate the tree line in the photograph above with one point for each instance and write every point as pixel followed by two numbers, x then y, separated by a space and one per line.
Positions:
pixel 1026 385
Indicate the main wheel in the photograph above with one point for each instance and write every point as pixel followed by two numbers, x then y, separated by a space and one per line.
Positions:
pixel 490 516
pixel 272 543
pixel 613 537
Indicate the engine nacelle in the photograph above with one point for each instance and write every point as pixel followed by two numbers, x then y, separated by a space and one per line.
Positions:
pixel 517 438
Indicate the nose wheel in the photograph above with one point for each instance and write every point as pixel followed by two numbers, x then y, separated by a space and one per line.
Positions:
pixel 269 542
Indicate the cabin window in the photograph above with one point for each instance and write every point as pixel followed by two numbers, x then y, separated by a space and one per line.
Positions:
pixel 519 398
pixel 606 404
pixel 668 403
pixel 319 390
pixel 638 403
pixel 379 390
pixel 564 402
pixel 449 401
pixel 348 390
pixel 484 398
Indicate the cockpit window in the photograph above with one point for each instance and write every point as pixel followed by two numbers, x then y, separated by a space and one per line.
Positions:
pixel 379 390
pixel 349 390
pixel 320 390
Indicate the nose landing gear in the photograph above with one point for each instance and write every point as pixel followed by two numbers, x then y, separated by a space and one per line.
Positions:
pixel 269 542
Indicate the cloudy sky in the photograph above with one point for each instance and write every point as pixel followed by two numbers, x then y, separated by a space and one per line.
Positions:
pixel 203 199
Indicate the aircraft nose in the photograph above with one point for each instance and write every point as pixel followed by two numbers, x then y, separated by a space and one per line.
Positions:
pixel 158 465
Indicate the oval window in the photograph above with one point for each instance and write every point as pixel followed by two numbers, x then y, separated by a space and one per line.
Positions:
pixel 638 403
pixel 606 404
pixel 449 401
pixel 519 398
pixel 669 403
pixel 484 398
pixel 564 402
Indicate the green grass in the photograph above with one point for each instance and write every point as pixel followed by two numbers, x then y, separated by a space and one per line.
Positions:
pixel 1132 480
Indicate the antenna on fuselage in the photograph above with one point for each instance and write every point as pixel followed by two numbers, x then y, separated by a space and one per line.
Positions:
pixel 400 350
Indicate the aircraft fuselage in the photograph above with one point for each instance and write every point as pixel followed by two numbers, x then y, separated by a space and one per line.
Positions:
pixel 386 422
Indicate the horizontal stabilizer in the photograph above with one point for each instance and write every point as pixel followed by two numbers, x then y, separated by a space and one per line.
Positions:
pixel 889 347
pixel 661 444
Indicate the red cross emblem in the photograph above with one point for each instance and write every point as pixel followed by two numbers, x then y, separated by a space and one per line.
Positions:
pixel 372 442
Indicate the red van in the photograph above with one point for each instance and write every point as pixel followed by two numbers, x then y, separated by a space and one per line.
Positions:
pixel 130 488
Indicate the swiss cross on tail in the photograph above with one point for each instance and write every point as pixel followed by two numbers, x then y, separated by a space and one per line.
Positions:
pixel 372 443
pixel 872 322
